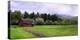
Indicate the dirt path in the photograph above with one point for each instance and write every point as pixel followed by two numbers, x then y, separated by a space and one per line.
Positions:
pixel 38 34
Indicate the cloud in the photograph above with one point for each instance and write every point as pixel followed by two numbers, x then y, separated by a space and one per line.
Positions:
pixel 43 7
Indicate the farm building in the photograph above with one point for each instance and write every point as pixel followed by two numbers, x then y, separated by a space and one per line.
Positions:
pixel 26 22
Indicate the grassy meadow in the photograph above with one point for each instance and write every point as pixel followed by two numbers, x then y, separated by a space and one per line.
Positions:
pixel 17 32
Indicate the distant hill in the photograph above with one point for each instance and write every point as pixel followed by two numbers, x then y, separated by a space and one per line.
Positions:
pixel 67 17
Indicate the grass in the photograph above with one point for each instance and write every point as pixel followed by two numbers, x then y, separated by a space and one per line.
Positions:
pixel 18 33
pixel 56 30
pixel 48 30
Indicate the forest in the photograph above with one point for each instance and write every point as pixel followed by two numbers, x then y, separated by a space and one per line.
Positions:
pixel 41 18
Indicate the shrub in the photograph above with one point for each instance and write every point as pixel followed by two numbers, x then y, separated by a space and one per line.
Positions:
pixel 39 21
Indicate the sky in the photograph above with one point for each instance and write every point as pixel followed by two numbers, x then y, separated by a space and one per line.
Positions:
pixel 45 7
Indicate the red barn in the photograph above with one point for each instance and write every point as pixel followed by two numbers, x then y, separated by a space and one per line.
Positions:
pixel 25 23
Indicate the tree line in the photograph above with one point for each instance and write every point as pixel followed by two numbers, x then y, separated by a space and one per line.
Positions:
pixel 38 18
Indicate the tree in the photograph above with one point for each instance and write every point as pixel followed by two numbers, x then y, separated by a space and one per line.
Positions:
pixel 48 17
pixel 32 15
pixel 38 15
pixel 39 21
pixel 26 15
pixel 44 16
pixel 54 17
pixel 15 17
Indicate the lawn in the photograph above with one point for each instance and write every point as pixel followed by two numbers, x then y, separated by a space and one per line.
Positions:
pixel 48 30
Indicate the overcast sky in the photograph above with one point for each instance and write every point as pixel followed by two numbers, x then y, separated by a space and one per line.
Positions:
pixel 44 7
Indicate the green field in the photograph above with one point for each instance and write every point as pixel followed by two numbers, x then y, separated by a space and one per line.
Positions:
pixel 47 30
pixel 18 33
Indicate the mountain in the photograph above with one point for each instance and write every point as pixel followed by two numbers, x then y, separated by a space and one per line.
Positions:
pixel 67 17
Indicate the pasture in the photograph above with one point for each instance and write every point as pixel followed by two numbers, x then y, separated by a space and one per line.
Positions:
pixel 17 32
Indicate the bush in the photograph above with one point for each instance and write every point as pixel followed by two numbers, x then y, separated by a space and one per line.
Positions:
pixel 39 21
pixel 48 22
pixel 14 22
